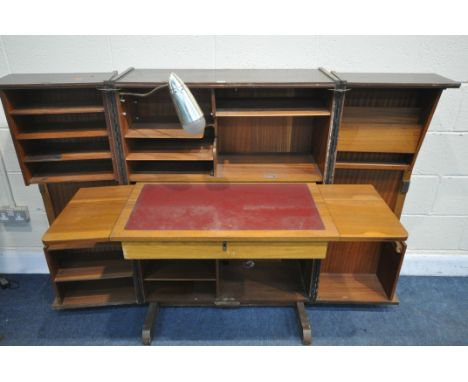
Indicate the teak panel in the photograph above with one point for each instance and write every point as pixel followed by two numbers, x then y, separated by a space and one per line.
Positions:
pixel 89 216
pixel 265 135
pixel 360 213
pixel 378 129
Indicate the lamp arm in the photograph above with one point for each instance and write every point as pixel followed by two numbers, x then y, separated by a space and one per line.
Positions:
pixel 142 95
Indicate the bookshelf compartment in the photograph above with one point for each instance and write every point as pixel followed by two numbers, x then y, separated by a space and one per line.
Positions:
pixel 383 120
pixel 369 276
pixel 66 149
pixel 158 107
pixel 55 101
pixel 183 292
pixel 278 281
pixel 289 102
pixel 100 262
pixel 82 294
pixel 69 171
pixel 153 170
pixel 268 168
pixel 169 150
pixel 345 288
pixel 159 130
pixel 61 126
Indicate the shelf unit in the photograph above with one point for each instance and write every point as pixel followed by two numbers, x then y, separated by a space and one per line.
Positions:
pixel 60 132
pixel 155 145
pixel 92 275
pixel 208 282
pixel 379 136
pixel 271 135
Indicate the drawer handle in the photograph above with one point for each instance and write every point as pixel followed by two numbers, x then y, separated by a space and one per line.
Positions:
pixel 224 246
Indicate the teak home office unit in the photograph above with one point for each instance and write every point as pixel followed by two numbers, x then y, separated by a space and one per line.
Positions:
pixel 74 131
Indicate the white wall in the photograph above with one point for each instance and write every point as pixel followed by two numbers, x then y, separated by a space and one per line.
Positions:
pixel 436 211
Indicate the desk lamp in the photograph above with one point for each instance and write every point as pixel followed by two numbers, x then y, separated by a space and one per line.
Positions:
pixel 188 111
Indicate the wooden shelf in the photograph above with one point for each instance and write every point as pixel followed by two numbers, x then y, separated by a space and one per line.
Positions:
pixel 355 288
pixel 89 297
pixel 185 177
pixel 107 270
pixel 372 166
pixel 67 177
pixel 174 154
pixel 167 270
pixel 68 156
pixel 160 131
pixel 57 130
pixel 268 168
pixel 270 107
pixel 43 110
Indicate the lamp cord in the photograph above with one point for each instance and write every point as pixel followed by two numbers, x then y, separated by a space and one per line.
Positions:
pixel 142 95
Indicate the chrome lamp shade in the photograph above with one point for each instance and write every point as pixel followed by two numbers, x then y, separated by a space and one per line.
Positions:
pixel 188 111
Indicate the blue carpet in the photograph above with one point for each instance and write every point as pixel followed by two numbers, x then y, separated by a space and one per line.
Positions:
pixel 432 311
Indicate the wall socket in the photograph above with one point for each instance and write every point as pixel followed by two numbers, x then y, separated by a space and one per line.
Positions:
pixel 14 214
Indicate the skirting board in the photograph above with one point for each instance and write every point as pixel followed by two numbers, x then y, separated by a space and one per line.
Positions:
pixel 432 263
pixel 422 263
pixel 22 260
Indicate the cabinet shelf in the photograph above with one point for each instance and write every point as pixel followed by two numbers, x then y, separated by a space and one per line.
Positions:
pixel 72 177
pixel 56 130
pixel 269 168
pixel 106 270
pixel 174 154
pixel 168 177
pixel 68 156
pixel 270 107
pixel 372 166
pixel 43 110
pixel 160 131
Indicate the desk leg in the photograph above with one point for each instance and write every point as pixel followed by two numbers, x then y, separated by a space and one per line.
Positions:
pixel 304 323
pixel 147 332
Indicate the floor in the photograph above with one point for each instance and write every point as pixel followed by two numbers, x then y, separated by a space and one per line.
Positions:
pixel 432 311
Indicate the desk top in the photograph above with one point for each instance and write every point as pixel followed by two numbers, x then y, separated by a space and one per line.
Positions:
pixel 336 213
pixel 224 211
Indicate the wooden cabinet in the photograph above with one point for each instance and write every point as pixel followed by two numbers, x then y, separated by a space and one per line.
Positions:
pixel 74 131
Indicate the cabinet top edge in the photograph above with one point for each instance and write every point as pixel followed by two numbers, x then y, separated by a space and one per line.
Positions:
pixel 27 80
pixel 409 80
pixel 228 77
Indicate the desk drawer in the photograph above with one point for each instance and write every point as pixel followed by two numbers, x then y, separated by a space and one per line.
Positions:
pixel 224 250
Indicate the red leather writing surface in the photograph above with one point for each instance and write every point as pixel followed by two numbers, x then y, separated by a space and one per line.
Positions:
pixel 225 207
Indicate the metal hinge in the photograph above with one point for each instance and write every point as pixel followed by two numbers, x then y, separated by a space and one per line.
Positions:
pixel 405 186
pixel 340 90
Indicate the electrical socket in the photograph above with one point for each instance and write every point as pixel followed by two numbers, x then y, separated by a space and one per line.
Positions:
pixel 14 214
